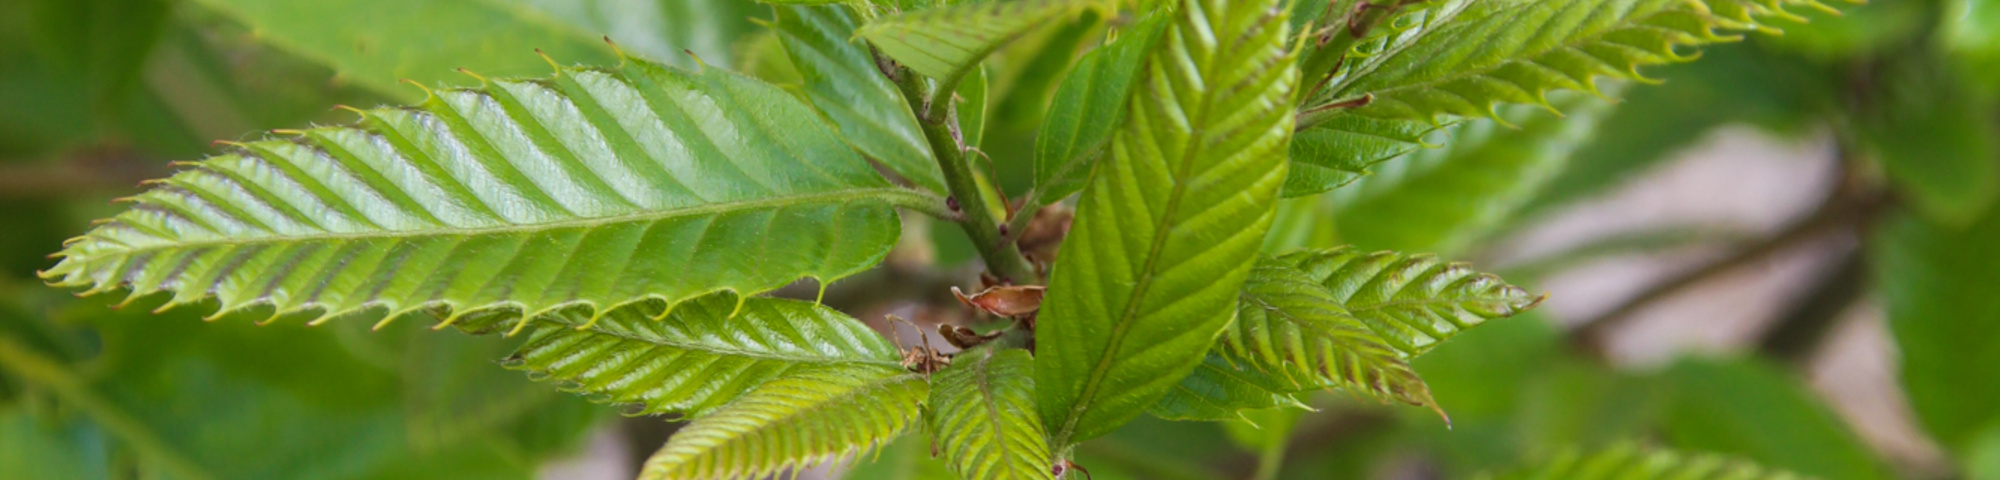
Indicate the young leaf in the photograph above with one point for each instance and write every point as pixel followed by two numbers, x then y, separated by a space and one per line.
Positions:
pixel 1625 460
pixel 1469 55
pixel 1088 105
pixel 1341 150
pixel 946 42
pixel 595 189
pixel 792 422
pixel 1290 326
pixel 1221 389
pixel 697 357
pixel 1440 200
pixel 841 79
pixel 982 416
pixel 1172 219
pixel 1413 302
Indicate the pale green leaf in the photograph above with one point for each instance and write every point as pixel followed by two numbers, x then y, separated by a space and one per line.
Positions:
pixel 595 189
pixel 1172 220
pixel 793 422
pixel 841 79
pixel 946 42
pixel 1628 461
pixel 1088 105
pixel 695 358
pixel 1341 150
pixel 1462 57
pixel 1290 326
pixel 1413 302
pixel 982 416
pixel 1937 282
pixel 1443 199
pixel 1222 389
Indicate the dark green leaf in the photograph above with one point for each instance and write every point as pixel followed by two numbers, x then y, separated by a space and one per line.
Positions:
pixel 1754 411
pixel 1937 282
pixel 842 80
pixel 1088 105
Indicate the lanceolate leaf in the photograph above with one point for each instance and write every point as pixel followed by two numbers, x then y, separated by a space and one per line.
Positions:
pixel 792 422
pixel 1629 461
pixel 1341 150
pixel 982 416
pixel 945 43
pixel 842 80
pixel 1514 51
pixel 1441 200
pixel 1412 301
pixel 1171 221
pixel 1088 105
pixel 1222 389
pixel 699 356
pixel 594 189
pixel 1290 326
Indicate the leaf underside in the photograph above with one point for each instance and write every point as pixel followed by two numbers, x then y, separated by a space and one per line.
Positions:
pixel 982 416
pixel 1463 57
pixel 1413 302
pixel 1171 220
pixel 1625 461
pixel 1341 150
pixel 792 422
pixel 593 189
pixel 696 358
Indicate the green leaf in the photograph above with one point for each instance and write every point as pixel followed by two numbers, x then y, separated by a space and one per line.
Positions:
pixel 1088 105
pixel 905 458
pixel 1443 199
pixel 841 79
pixel 1341 150
pixel 793 422
pixel 1937 283
pixel 1463 57
pixel 697 357
pixel 1626 460
pixel 380 42
pixel 1760 413
pixel 982 416
pixel 1290 326
pixel 946 42
pixel 1413 302
pixel 1935 141
pixel 1171 222
pixel 1221 389
pixel 972 109
pixel 595 189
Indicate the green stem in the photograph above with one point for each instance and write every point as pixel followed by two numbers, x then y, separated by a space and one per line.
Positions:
pixel 68 386
pixel 935 113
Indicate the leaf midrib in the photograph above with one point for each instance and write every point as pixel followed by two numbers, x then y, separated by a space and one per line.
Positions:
pixel 894 196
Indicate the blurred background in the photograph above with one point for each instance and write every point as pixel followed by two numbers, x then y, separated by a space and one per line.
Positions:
pixel 1785 251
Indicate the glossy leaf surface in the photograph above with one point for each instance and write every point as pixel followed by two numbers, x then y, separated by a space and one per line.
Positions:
pixel 1088 106
pixel 1171 221
pixel 595 189
pixel 842 81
